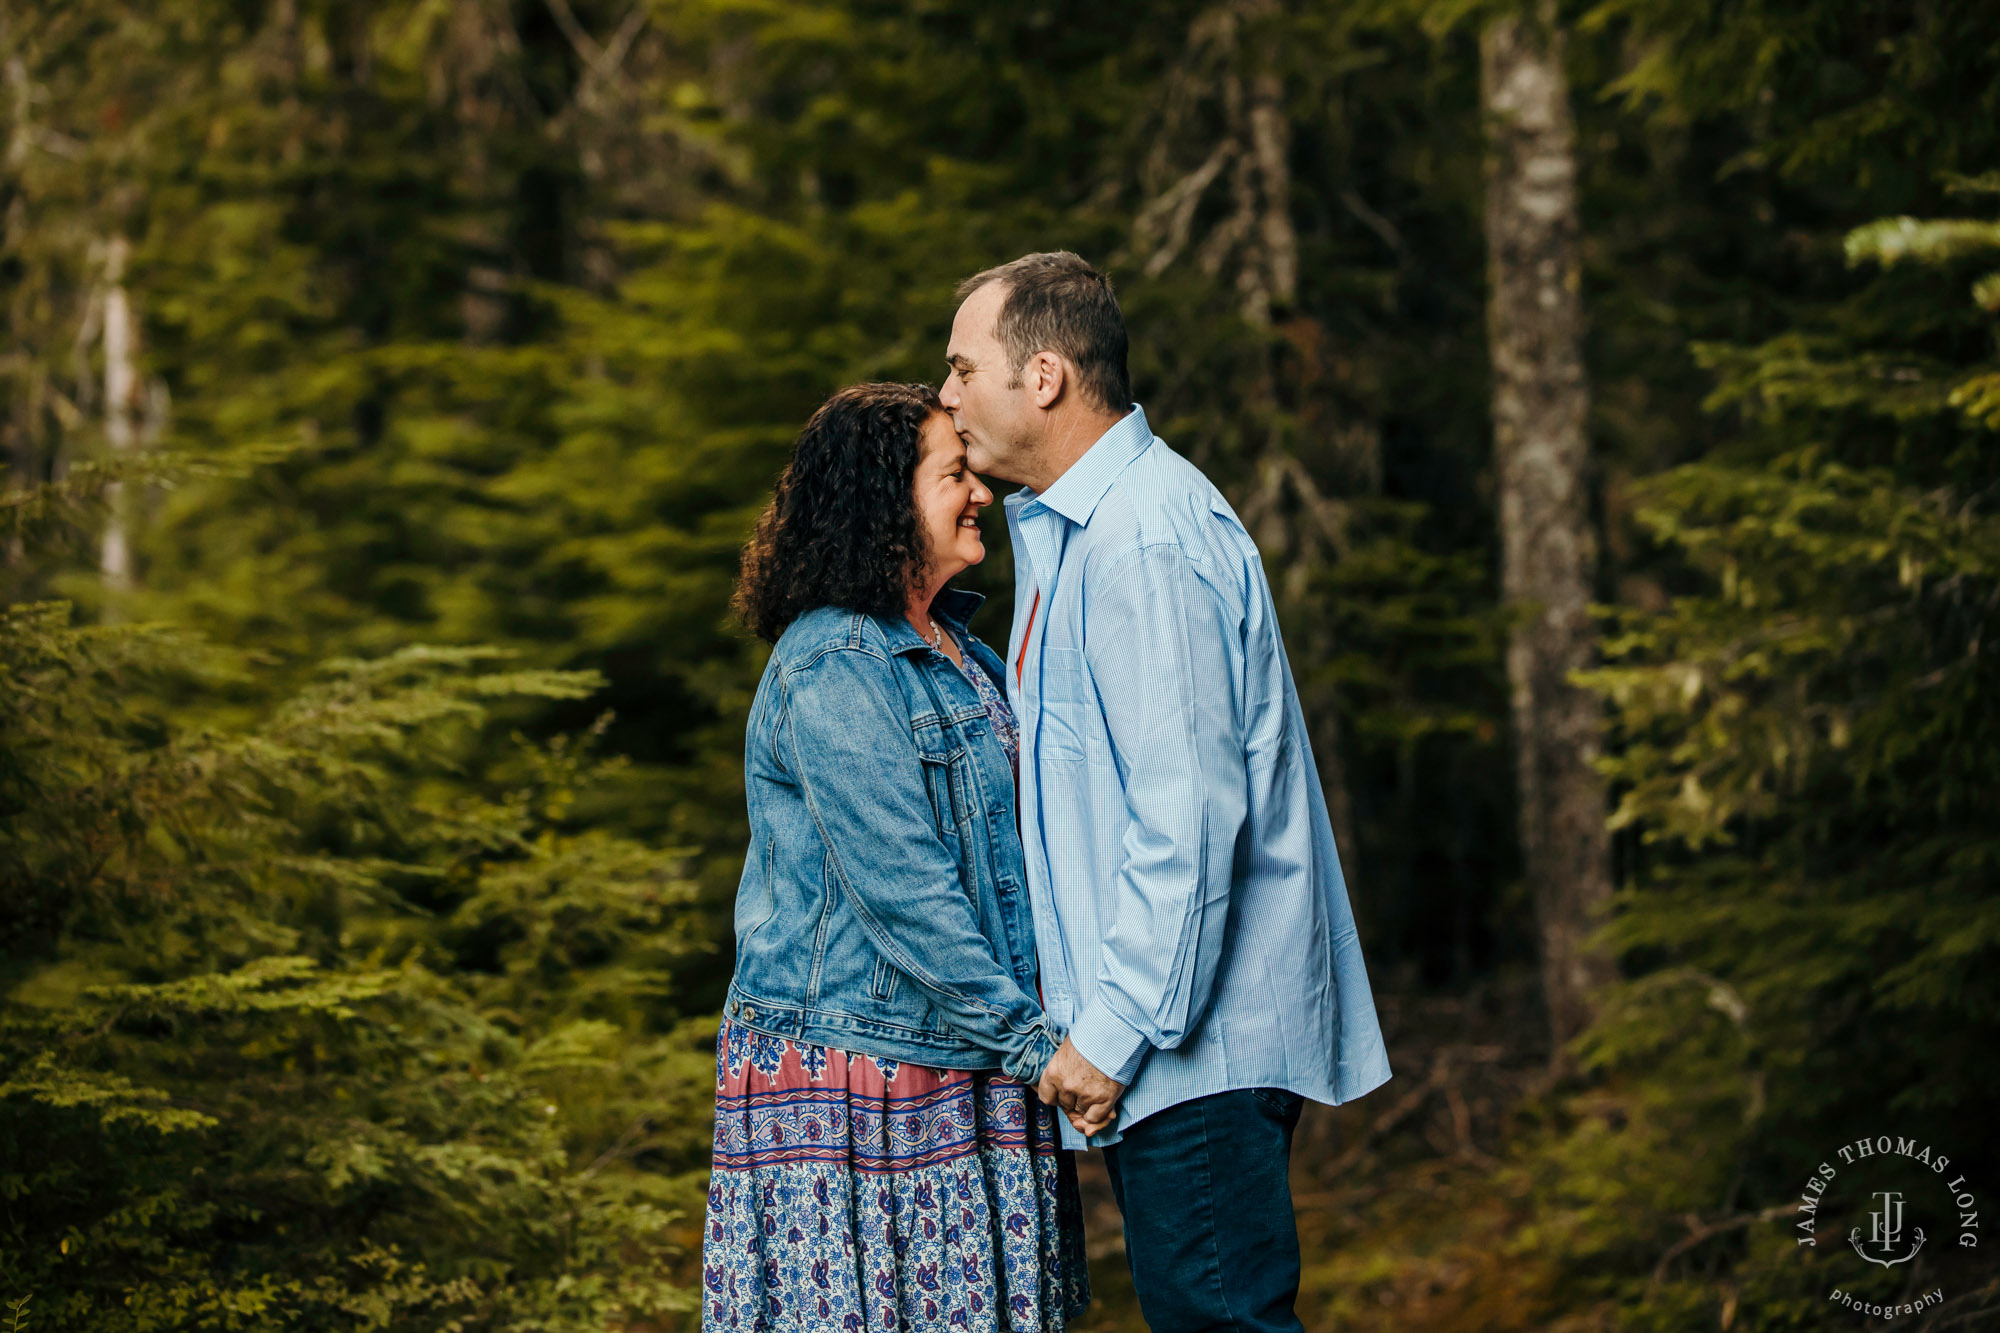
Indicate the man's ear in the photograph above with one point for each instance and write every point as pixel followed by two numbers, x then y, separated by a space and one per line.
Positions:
pixel 1048 376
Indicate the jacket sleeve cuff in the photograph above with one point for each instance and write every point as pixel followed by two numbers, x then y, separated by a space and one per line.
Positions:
pixel 1114 1046
pixel 1026 1065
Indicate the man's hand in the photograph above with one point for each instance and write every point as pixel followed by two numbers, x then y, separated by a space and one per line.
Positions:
pixel 1087 1096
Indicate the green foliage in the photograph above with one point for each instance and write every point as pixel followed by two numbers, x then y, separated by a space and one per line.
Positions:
pixel 1794 420
pixel 1807 742
pixel 296 1032
pixel 470 325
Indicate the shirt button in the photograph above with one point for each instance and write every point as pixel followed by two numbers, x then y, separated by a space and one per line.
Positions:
pixel 735 1006
pixel 749 1014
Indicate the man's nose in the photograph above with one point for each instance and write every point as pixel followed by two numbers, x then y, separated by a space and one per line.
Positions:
pixel 948 393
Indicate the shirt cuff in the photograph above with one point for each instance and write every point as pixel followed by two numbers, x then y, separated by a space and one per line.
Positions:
pixel 1114 1046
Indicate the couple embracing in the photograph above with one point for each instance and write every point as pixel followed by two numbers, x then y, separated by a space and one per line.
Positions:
pixel 995 911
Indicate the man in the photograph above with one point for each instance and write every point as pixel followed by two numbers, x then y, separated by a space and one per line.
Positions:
pixel 1194 933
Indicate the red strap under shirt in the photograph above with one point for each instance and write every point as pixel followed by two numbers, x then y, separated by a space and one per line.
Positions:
pixel 1019 659
pixel 1026 634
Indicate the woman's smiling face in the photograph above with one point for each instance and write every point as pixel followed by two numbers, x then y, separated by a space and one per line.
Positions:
pixel 949 498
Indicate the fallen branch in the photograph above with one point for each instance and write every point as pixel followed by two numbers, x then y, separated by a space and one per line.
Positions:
pixel 1439 1079
pixel 1699 1232
pixel 1984 1302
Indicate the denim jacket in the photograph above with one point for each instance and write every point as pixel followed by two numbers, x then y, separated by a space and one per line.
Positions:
pixel 883 907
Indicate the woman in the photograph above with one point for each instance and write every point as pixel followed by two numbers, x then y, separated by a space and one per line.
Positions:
pixel 880 1160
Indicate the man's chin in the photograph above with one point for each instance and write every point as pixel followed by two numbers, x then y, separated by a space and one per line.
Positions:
pixel 984 464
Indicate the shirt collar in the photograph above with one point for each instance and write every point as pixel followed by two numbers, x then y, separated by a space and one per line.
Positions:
pixel 1076 493
pixel 955 606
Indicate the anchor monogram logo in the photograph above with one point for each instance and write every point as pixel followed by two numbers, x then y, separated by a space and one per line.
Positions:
pixel 1885 1232
pixel 1888 1243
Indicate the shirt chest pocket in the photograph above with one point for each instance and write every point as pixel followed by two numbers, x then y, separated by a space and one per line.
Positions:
pixel 1067 705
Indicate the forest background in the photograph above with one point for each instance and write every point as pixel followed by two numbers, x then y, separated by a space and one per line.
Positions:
pixel 388 388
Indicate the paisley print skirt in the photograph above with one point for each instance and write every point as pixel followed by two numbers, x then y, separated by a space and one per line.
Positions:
pixel 853 1194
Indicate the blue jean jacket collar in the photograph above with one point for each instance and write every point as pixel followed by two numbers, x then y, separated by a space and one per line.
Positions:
pixel 952 607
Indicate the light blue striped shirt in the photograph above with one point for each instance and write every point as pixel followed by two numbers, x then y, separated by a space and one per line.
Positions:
pixel 1192 922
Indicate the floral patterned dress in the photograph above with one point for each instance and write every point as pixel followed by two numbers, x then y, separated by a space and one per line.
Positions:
pixel 856 1193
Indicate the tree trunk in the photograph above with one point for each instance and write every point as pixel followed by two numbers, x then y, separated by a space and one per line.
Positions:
pixel 120 384
pixel 1540 402
pixel 1232 66
pixel 1299 532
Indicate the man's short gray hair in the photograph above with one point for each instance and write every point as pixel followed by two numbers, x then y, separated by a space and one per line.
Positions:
pixel 1058 303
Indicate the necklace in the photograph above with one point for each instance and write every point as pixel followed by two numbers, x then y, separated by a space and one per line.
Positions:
pixel 937 633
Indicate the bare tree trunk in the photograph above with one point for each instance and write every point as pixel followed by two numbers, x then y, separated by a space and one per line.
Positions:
pixel 1540 402
pixel 1232 65
pixel 1269 281
pixel 120 385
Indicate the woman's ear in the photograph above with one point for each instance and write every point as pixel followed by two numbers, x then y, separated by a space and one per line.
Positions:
pixel 1048 376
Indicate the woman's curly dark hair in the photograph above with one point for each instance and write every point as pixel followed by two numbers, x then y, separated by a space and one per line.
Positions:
pixel 842 529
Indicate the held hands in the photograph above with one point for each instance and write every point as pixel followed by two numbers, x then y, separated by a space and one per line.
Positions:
pixel 1088 1097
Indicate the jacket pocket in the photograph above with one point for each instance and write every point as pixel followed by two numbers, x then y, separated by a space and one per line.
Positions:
pixel 883 985
pixel 828 888
pixel 944 783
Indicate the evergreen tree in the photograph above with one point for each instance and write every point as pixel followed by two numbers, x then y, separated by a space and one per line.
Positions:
pixel 295 1033
pixel 1801 720
pixel 475 323
pixel 1809 741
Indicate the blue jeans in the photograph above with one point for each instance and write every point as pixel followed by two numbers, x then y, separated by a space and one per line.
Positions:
pixel 1207 1201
